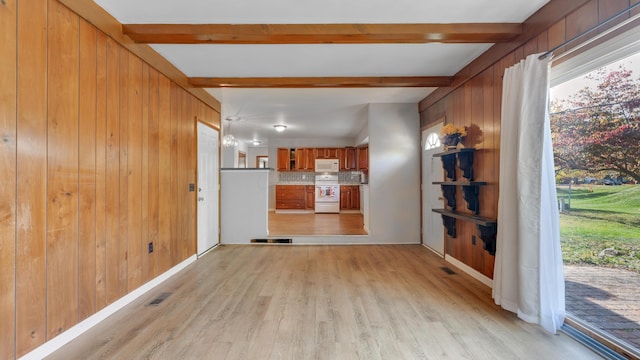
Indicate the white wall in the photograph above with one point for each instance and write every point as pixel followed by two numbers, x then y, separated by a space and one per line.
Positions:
pixel 363 135
pixel 230 156
pixel 254 151
pixel 394 173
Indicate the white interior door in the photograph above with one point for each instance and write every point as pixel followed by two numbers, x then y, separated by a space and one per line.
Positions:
pixel 432 228
pixel 208 180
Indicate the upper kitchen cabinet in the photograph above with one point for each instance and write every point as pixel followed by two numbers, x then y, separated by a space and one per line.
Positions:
pixel 326 153
pixel 284 159
pixel 363 157
pixel 347 157
pixel 305 159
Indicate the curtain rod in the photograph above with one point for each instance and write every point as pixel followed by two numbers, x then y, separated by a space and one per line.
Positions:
pixel 608 31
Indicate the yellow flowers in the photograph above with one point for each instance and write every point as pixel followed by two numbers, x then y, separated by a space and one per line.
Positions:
pixel 452 130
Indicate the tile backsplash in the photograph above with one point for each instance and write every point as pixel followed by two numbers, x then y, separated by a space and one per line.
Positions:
pixel 344 177
pixel 296 176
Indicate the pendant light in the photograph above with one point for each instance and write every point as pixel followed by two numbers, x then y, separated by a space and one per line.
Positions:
pixel 229 140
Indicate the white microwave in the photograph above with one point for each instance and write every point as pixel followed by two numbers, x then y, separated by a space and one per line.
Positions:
pixel 327 165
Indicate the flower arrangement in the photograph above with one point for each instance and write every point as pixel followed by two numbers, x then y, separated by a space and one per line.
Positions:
pixel 451 134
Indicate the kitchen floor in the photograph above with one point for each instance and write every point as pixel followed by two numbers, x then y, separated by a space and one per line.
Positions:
pixel 316 224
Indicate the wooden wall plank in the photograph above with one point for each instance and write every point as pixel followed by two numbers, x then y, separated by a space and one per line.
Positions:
pixel 31 170
pixel 153 171
pixel 87 172
pixel 112 175
pixel 123 245
pixel 101 170
pixel 192 196
pixel 609 8
pixel 134 174
pixel 581 20
pixel 488 193
pixel 144 198
pixel 543 42
pixel 165 92
pixel 182 176
pixel 62 174
pixel 530 47
pixel 477 120
pixel 176 110
pixel 8 69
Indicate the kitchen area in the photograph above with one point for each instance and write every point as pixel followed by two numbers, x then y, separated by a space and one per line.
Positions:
pixel 377 194
pixel 321 191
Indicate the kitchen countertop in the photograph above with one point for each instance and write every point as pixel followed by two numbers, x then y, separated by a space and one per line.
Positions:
pixel 295 183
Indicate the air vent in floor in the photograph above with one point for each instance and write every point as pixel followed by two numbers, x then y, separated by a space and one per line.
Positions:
pixel 447 270
pixel 159 299
pixel 272 241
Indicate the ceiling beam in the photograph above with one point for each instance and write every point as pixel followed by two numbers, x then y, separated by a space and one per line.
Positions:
pixel 321 33
pixel 321 82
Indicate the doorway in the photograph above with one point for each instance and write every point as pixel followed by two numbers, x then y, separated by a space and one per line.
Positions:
pixel 432 228
pixel 262 161
pixel 208 188
pixel 242 159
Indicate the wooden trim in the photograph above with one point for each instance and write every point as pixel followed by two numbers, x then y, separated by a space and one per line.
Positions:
pixel 106 23
pixel 552 12
pixel 307 82
pixel 320 33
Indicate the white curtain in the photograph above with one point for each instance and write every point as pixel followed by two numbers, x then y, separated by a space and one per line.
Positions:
pixel 528 275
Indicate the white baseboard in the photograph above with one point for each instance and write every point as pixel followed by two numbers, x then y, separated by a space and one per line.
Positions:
pixel 469 270
pixel 433 251
pixel 59 341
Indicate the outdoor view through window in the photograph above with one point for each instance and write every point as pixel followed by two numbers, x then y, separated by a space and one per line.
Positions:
pixel 595 125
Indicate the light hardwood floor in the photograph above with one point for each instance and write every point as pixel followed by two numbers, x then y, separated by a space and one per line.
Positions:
pixel 319 302
pixel 316 224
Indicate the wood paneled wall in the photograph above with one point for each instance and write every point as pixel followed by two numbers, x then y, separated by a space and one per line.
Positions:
pixel 97 151
pixel 477 104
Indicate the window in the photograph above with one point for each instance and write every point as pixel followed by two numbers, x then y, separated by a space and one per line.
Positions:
pixel 595 121
pixel 432 142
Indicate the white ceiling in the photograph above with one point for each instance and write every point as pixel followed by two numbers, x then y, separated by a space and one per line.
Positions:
pixel 317 112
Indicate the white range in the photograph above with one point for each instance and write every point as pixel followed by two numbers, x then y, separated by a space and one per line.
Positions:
pixel 327 193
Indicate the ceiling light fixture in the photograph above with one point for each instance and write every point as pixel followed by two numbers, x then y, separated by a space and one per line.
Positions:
pixel 229 140
pixel 280 127
pixel 256 142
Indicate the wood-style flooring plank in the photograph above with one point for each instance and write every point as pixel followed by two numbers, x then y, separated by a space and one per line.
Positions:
pixel 320 302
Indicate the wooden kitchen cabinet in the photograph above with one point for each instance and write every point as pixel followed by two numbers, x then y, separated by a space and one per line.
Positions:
pixel 363 158
pixel 348 158
pixel 305 159
pixel 290 197
pixel 310 197
pixel 326 153
pixel 349 197
pixel 284 159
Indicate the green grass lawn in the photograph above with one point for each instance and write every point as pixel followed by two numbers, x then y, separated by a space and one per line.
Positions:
pixel 601 217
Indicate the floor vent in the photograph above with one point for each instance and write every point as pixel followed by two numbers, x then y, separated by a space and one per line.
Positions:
pixel 159 299
pixel 447 270
pixel 272 241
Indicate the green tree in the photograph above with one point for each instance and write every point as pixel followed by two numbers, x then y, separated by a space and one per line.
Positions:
pixel 598 129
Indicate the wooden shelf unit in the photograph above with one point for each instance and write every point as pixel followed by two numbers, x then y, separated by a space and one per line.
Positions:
pixel 470 190
pixel 464 158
